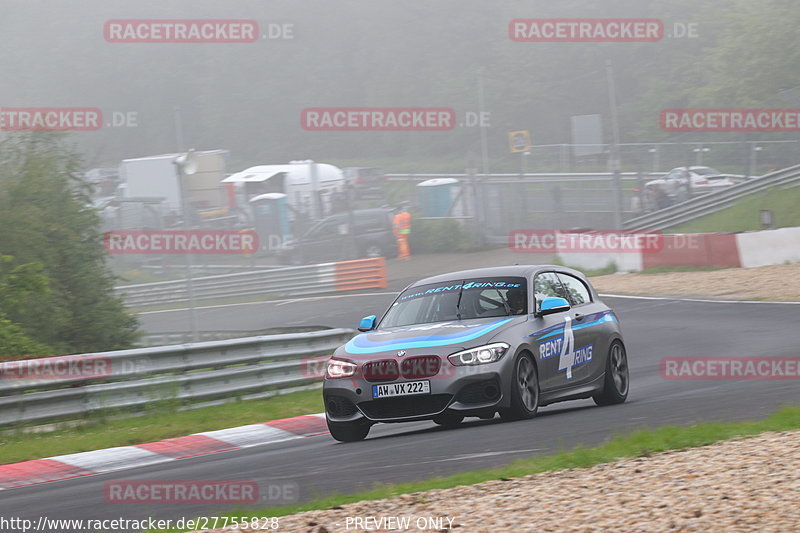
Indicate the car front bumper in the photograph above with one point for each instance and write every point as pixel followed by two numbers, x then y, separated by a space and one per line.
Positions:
pixel 470 391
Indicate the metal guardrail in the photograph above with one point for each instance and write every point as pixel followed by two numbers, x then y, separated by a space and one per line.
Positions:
pixel 58 388
pixel 215 269
pixel 170 338
pixel 707 204
pixel 545 177
pixel 312 279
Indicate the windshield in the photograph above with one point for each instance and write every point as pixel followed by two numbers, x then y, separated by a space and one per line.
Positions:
pixel 458 299
pixel 705 171
pixel 327 227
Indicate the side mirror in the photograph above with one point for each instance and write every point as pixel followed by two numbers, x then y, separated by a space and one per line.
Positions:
pixel 552 305
pixel 367 323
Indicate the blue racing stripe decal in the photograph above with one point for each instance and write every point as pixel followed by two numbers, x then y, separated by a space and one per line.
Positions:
pixel 362 345
pixel 605 316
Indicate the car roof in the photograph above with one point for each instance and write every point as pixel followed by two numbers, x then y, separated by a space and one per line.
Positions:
pixel 509 270
pixel 693 167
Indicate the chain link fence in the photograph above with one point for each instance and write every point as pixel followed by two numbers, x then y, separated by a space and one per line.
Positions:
pixel 752 158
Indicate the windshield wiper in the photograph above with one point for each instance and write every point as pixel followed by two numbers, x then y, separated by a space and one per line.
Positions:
pixel 505 302
pixel 458 302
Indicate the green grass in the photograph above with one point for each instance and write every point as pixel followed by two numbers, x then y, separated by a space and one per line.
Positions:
pixel 610 268
pixel 155 424
pixel 638 444
pixel 744 214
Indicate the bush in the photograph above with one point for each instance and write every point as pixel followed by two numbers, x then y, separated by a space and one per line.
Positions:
pixel 54 281
pixel 14 342
pixel 440 235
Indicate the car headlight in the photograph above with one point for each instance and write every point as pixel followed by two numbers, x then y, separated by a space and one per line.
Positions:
pixel 480 355
pixel 338 368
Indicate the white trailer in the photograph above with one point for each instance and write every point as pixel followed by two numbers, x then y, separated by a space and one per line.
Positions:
pixel 156 177
pixel 309 187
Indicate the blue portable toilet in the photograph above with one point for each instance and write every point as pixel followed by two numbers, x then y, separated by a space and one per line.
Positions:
pixel 436 196
pixel 271 220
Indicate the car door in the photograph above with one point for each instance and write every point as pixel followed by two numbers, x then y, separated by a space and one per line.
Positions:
pixel 672 182
pixel 550 334
pixel 589 330
pixel 367 230
pixel 323 242
pixel 685 185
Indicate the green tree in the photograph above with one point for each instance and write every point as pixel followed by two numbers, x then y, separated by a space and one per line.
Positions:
pixel 757 55
pixel 50 229
pixel 14 342
pixel 20 286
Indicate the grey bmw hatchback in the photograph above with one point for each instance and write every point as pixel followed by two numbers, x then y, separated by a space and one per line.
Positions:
pixel 504 340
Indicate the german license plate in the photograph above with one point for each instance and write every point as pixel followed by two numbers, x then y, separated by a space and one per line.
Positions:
pixel 406 388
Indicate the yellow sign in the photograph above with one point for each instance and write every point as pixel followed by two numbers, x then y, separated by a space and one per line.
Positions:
pixel 519 141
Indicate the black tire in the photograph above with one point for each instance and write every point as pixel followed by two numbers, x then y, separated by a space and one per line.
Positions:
pixel 449 419
pixel 524 390
pixel 348 431
pixel 617 380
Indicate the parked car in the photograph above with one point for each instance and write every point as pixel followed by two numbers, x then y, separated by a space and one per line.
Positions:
pixel 331 238
pixel 474 343
pixel 679 184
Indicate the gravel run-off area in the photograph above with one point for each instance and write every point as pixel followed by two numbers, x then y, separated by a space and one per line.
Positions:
pixel 778 283
pixel 750 484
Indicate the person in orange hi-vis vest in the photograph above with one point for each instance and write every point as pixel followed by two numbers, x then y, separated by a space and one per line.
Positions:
pixel 402 229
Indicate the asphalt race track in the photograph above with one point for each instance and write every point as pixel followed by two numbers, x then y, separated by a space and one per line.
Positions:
pixel 338 311
pixel 319 465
